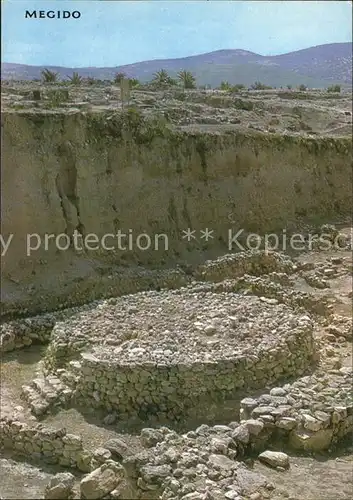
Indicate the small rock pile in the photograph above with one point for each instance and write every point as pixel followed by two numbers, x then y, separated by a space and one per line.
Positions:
pixel 60 487
pixel 257 262
pixel 330 238
pixel 21 333
pixel 107 481
pixel 274 288
pixel 200 464
pixel 45 393
pixel 340 327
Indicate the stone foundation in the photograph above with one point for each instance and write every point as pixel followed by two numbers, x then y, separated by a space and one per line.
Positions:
pixel 53 446
pixel 173 353
pixel 177 390
pixel 312 414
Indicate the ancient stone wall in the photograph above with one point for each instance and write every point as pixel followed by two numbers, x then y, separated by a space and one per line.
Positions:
pixel 173 390
pixel 313 413
pixel 54 446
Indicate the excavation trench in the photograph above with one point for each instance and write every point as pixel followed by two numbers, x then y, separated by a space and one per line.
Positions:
pixel 100 173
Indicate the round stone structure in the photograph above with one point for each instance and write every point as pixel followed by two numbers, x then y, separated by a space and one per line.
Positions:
pixel 170 353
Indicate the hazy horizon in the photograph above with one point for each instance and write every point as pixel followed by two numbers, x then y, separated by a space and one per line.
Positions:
pixel 118 33
pixel 138 62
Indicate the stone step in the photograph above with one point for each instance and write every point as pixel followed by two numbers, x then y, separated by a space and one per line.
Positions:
pixel 40 385
pixel 45 393
pixel 37 404
pixel 71 376
pixel 48 385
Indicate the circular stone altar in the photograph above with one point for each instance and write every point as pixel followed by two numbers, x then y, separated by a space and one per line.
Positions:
pixel 170 351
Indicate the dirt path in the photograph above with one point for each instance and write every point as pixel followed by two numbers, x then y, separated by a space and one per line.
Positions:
pixel 312 479
pixel 17 369
pixel 22 480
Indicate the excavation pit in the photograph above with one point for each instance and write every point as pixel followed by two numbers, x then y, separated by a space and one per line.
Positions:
pixel 174 353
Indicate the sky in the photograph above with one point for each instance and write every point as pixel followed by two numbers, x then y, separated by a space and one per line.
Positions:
pixel 114 33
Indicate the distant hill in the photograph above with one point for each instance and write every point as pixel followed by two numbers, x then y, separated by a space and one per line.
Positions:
pixel 317 66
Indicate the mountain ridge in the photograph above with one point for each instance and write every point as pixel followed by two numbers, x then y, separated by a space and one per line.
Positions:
pixel 317 66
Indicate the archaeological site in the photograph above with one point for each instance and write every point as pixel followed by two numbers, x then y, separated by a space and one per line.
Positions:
pixel 203 355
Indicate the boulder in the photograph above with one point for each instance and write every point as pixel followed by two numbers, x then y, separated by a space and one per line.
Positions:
pixel 110 419
pixel 117 448
pixel 286 423
pixel 274 459
pixel 102 481
pixel 221 462
pixel 155 474
pixel 241 434
pixel 133 463
pixel 150 437
pixel 60 487
pixel 100 456
pixel 84 461
pixel 311 441
pixel 254 426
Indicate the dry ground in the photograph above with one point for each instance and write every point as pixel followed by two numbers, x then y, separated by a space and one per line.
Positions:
pixel 312 112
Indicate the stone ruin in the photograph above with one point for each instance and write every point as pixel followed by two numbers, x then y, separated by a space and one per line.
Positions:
pixel 236 331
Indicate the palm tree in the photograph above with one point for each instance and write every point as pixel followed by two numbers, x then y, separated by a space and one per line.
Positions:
pixel 90 80
pixel 161 77
pixel 133 82
pixel 75 79
pixel 49 76
pixel 187 79
pixel 225 86
pixel 119 77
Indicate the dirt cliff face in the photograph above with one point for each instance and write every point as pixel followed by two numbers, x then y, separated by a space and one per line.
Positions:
pixel 101 173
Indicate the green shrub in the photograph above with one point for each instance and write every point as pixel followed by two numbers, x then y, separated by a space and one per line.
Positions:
pixel 134 82
pixel 225 86
pixel 334 88
pixel 237 87
pixel 260 86
pixel 119 77
pixel 57 97
pixel 241 104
